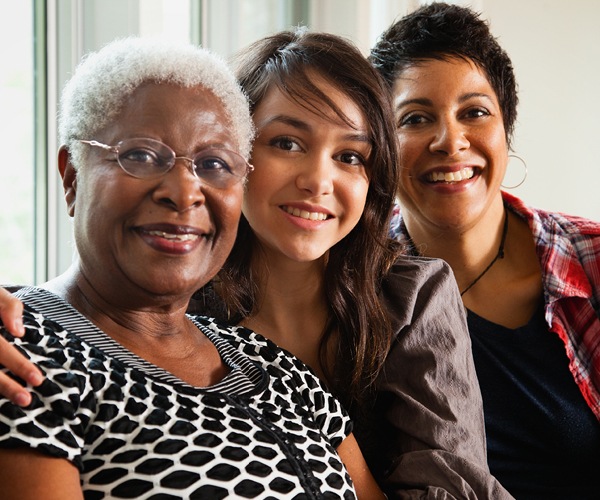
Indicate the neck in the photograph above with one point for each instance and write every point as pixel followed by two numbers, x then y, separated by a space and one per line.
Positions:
pixel 509 292
pixel 117 317
pixel 153 327
pixel 470 250
pixel 292 310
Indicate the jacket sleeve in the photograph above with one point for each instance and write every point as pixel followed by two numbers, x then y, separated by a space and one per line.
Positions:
pixel 429 403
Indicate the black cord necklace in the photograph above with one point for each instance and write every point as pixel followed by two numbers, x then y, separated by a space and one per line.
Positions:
pixel 499 255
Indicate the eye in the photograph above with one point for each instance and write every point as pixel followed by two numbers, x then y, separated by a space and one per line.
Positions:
pixel 212 164
pixel 476 113
pixel 412 119
pixel 141 155
pixel 351 158
pixel 286 144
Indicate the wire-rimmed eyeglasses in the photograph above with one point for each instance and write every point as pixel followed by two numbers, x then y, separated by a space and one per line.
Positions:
pixel 148 158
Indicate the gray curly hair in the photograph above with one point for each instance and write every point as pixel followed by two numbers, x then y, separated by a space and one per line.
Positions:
pixel 95 94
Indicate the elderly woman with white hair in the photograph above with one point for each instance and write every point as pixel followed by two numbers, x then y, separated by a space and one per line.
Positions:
pixel 139 399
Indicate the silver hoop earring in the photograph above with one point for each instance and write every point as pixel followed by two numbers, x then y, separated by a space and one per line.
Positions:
pixel 525 165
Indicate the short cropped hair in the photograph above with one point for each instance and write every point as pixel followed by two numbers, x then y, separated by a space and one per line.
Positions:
pixel 440 31
pixel 104 80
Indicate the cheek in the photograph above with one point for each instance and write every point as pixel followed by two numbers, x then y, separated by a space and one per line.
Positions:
pixel 355 197
pixel 410 148
pixel 251 195
pixel 226 207
pixel 494 145
pixel 258 179
pixel 263 187
pixel 96 202
pixel 254 185
pixel 498 144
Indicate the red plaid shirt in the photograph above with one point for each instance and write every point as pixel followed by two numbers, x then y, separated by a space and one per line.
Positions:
pixel 569 252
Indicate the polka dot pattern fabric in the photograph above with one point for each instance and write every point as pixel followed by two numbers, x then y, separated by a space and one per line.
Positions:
pixel 133 435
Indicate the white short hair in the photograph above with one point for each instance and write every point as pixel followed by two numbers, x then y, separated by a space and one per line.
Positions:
pixel 96 93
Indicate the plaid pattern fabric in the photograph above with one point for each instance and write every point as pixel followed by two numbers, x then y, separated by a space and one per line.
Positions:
pixel 568 249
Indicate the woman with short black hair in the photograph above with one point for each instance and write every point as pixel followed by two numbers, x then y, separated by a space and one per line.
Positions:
pixel 529 279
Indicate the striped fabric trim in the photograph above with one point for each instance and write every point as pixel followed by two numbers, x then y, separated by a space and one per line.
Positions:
pixel 242 379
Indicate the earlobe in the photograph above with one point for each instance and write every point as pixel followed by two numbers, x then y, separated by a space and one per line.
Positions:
pixel 69 178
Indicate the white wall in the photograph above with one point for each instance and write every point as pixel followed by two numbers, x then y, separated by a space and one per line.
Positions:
pixel 555 48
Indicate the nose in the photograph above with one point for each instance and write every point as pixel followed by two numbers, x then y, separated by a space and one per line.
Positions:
pixel 315 175
pixel 189 163
pixel 450 138
pixel 179 188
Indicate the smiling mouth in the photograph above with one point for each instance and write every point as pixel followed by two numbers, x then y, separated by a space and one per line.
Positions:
pixel 174 237
pixel 461 175
pixel 304 214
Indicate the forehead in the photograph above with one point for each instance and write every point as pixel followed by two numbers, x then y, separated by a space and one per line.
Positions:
pixel 441 80
pixel 310 106
pixel 171 112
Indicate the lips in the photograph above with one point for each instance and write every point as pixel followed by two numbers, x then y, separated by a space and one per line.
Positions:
pixel 444 176
pixel 170 238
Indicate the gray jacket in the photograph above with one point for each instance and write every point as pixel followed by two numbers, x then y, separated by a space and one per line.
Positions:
pixel 426 438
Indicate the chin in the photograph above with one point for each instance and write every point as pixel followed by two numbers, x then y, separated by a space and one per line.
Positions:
pixel 306 256
pixel 175 284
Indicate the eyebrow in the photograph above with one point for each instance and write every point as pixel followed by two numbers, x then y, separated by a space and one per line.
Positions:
pixel 358 138
pixel 428 102
pixel 287 120
pixel 299 124
pixel 215 145
pixel 421 100
pixel 470 95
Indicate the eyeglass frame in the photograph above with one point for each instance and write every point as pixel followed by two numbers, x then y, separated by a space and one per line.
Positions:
pixel 189 161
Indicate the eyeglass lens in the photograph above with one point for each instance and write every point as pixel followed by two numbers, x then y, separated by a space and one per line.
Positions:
pixel 149 158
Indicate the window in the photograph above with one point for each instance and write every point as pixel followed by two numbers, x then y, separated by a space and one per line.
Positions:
pixel 17 184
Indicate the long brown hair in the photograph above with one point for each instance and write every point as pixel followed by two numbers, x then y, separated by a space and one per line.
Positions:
pixel 356 264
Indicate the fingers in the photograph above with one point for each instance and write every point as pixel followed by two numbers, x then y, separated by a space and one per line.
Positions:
pixel 13 391
pixel 11 312
pixel 20 366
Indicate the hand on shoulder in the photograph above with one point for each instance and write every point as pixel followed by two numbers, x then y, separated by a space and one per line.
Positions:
pixel 11 312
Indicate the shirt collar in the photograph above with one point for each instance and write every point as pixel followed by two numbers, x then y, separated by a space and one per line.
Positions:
pixel 562 272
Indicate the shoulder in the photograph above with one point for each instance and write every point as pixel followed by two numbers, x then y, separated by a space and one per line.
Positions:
pixel 54 422
pixel 72 367
pixel 417 271
pixel 247 341
pixel 568 225
pixel 561 242
pixel 553 222
pixel 263 352
pixel 44 339
pixel 289 377
pixel 417 285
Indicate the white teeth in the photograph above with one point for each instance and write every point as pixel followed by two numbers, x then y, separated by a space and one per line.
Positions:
pixel 296 212
pixel 461 175
pixel 174 237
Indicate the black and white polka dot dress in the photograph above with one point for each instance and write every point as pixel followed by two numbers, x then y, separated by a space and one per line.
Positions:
pixel 268 430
